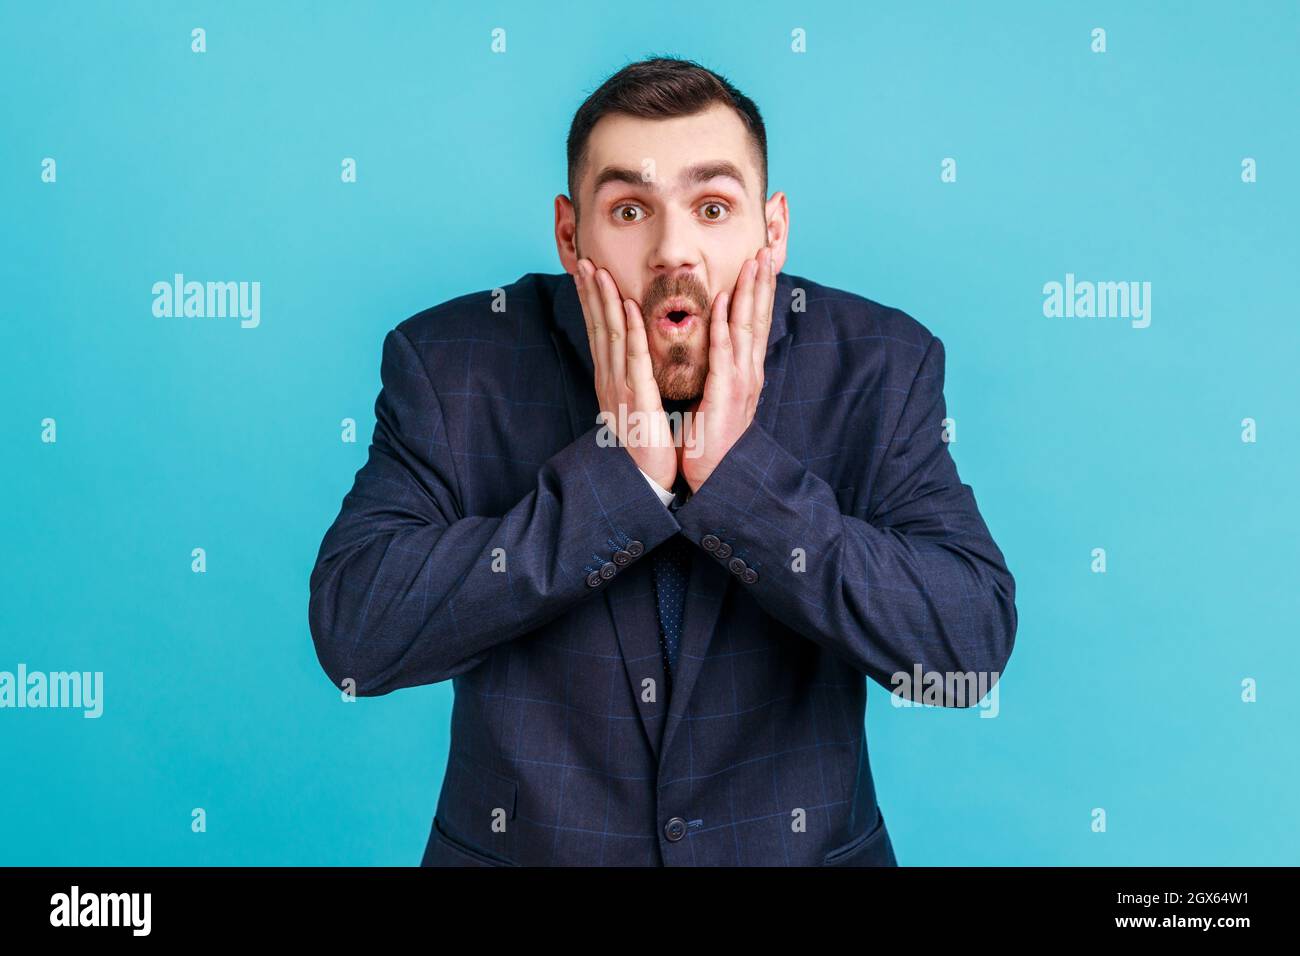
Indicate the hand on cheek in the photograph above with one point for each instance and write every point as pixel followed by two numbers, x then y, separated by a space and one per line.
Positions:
pixel 626 392
pixel 738 330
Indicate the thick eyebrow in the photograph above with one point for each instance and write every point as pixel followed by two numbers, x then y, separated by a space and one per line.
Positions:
pixel 690 176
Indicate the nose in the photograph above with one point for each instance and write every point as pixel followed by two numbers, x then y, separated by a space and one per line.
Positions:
pixel 675 254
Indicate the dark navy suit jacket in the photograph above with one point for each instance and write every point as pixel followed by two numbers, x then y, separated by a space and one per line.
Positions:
pixel 492 539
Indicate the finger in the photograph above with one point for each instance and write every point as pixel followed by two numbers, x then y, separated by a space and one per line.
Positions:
pixel 615 327
pixel 741 316
pixel 720 354
pixel 591 316
pixel 640 370
pixel 764 297
pixel 641 376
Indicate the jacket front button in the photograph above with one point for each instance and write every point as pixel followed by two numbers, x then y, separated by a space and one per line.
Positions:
pixel 608 570
pixel 723 552
pixel 594 579
pixel 635 548
pixel 710 542
pixel 676 829
pixel 737 566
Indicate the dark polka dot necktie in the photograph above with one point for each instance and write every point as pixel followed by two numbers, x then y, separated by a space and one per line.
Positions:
pixel 672 570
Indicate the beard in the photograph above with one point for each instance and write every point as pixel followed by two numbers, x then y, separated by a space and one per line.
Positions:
pixel 681 373
pixel 679 377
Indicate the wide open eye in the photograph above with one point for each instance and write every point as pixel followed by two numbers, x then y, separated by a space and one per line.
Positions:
pixel 715 211
pixel 621 215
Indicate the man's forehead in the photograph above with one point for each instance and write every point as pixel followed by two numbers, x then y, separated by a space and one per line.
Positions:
pixel 677 152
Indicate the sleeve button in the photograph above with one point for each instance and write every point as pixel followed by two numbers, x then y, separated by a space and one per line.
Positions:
pixel 635 548
pixel 749 575
pixel 622 558
pixel 710 542
pixel 594 579
pixel 737 566
pixel 608 570
pixel 723 552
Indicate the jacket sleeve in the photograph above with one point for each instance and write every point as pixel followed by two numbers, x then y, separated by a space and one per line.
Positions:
pixel 407 589
pixel 919 582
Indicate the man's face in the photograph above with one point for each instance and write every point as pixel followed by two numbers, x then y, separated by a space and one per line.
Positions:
pixel 672 208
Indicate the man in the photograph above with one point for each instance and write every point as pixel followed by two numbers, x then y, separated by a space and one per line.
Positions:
pixel 658 518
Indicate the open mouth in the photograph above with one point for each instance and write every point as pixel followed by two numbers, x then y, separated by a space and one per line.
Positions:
pixel 676 322
pixel 675 315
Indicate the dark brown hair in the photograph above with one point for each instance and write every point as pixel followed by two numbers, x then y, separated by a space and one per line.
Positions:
pixel 659 88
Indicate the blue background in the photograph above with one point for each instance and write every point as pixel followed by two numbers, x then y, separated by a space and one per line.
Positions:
pixel 1124 688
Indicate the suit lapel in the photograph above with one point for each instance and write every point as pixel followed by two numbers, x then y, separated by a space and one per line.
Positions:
pixel 632 605
pixel 636 622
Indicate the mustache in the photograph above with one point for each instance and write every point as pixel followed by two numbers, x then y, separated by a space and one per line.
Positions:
pixel 688 287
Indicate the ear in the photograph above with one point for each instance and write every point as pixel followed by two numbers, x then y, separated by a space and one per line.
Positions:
pixel 778 227
pixel 566 234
